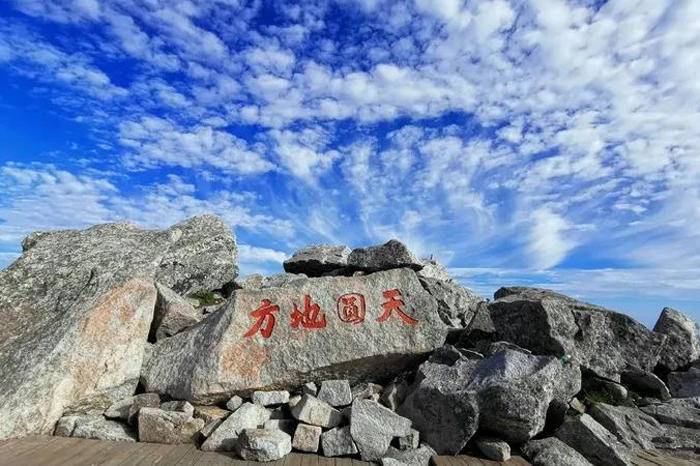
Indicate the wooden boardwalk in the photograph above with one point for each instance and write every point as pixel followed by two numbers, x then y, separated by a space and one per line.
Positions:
pixel 35 451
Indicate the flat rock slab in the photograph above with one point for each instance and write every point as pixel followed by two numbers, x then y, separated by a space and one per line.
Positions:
pixel 322 328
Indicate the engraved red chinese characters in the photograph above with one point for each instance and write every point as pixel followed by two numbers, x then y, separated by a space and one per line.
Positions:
pixel 351 308
pixel 394 302
pixel 310 317
pixel 265 319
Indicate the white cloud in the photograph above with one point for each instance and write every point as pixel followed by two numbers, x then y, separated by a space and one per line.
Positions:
pixel 549 239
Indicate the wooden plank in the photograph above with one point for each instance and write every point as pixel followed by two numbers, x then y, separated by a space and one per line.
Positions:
pixel 33 451
pixel 218 458
pixel 19 447
pixel 151 454
pixel 86 452
pixel 56 452
pixel 125 454
pixel 177 453
pixel 190 457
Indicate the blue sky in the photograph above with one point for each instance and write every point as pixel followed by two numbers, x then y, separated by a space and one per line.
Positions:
pixel 543 142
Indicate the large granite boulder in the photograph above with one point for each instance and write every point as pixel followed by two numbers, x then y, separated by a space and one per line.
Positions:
pixel 76 307
pixel 164 426
pixel 457 305
pixel 373 427
pixel 316 260
pixel 593 441
pixel 391 255
pixel 600 340
pixel 683 342
pixel 321 328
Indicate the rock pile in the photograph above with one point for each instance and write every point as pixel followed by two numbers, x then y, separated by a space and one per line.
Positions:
pixel 128 335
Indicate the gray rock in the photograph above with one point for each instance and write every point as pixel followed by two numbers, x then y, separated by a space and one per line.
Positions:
pixel 367 391
pixel 391 255
pixel 224 438
pixel 394 394
pixel 457 305
pixel 645 383
pixel 410 441
pixel 551 451
pixel 373 426
pixel 313 411
pixel 419 457
pixel 677 439
pixel 209 362
pixel 179 406
pixel 632 427
pixel 392 462
pixel 593 441
pixel 338 442
pixel 271 397
pixel 434 269
pixel 306 438
pixel 293 400
pixel 65 426
pixel 172 427
pixel 120 409
pixel 99 428
pixel 600 340
pixel 257 282
pixel 317 260
pixel 480 331
pixel 493 449
pixel 210 413
pixel 210 427
pixel 335 392
pixel 309 388
pixel 77 307
pixel 143 400
pixel 287 426
pixel 234 402
pixel 616 391
pixel 172 314
pixel 263 445
pixel 684 412
pixel 683 339
pixel 684 384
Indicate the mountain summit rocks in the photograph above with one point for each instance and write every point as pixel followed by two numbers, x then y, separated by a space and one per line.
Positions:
pixel 118 333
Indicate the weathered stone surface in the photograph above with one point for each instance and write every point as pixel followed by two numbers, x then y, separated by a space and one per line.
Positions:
pixel 172 314
pixel 601 340
pixel 684 384
pixel 270 397
pixel 258 282
pixel 120 409
pixel 313 411
pixel 263 445
pixel 645 383
pixel 419 457
pixel 162 426
pixel 394 394
pixel 335 392
pixel 392 462
pixel 210 413
pixel 76 310
pixel 179 406
pixel 683 339
pixel 214 359
pixel 285 425
pixel 683 412
pixel 593 441
pixel 143 400
pixel 493 449
pixel 367 391
pixel 678 439
pixel 551 451
pixel 434 269
pixel 410 441
pixel 224 438
pixel 306 438
pixel 99 428
pixel 457 305
pixel 318 259
pixel 338 442
pixel 480 331
pixel 65 426
pixel 391 255
pixel 632 427
pixel 234 402
pixel 373 426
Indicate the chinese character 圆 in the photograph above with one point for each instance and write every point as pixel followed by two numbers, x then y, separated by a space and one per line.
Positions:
pixel 351 308
pixel 394 303
pixel 265 319
pixel 310 317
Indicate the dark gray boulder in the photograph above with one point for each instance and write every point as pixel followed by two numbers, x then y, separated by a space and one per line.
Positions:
pixel 595 442
pixel 373 427
pixel 316 260
pixel 683 339
pixel 645 383
pixel 600 340
pixel 391 255
pixel 684 384
pixel 551 451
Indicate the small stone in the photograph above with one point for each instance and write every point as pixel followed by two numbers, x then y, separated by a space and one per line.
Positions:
pixel 373 426
pixel 338 442
pixel 263 445
pixel 65 426
pixel 309 388
pixel 394 394
pixel 494 449
pixel 179 406
pixel 306 438
pixel 313 411
pixel 285 425
pixel 335 392
pixel 684 384
pixel 616 391
pixel 224 438
pixel 210 413
pixel 99 428
pixel 646 383
pixel 144 400
pixel 170 427
pixel 270 398
pixel 553 452
pixel 234 403
pixel 410 441
pixel 595 442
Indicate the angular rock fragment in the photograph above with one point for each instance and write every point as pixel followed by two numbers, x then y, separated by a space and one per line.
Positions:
pixel 306 438
pixel 493 449
pixel 234 403
pixel 632 427
pixel 309 388
pixel 317 260
pixel 392 462
pixel 65 426
pixel 210 413
pixel 419 457
pixel 172 427
pixel 394 394
pixel 593 441
pixel 600 340
pixel 683 339
pixel 338 442
pixel 270 398
pixel 373 426
pixel 434 269
pixel 120 409
pixel 179 406
pixel 234 351
pixel 143 400
pixel 367 391
pixel 224 438
pixel 551 451
pixel 457 305
pixel 263 445
pixel 391 255
pixel 285 425
pixel 684 384
pixel 210 427
pixel 335 392
pixel 313 411
pixel 645 383
pixel 99 428
pixel 172 314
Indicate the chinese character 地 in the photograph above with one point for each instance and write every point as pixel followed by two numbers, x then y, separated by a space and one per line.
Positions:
pixel 265 319
pixel 394 303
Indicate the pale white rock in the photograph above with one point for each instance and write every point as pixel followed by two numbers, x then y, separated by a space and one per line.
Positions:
pixel 391 255
pixel 338 442
pixel 306 438
pixel 318 259
pixel 309 388
pixel 224 438
pixel 263 445
pixel 551 451
pixel 683 339
pixel 335 392
pixel 313 411
pixel 234 402
pixel 120 409
pixel 210 427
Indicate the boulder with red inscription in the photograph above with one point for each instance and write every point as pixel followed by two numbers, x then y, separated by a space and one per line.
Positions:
pixel 313 329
